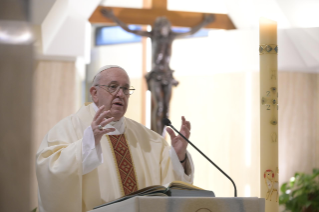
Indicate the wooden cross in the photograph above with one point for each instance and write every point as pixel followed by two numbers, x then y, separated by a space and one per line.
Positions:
pixel 156 8
pixel 146 16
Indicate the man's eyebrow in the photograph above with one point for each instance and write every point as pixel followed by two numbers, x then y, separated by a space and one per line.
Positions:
pixel 116 82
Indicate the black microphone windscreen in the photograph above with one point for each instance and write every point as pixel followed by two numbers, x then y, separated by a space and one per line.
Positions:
pixel 166 122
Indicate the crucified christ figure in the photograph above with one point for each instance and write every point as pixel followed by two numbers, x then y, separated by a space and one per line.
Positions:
pixel 160 79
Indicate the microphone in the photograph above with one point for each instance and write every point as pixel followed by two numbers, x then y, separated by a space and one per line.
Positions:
pixel 167 122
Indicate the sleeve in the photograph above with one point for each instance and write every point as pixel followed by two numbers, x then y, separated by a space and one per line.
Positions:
pixel 92 155
pixel 172 169
pixel 59 169
pixel 184 175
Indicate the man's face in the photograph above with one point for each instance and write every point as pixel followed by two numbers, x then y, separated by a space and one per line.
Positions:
pixel 116 102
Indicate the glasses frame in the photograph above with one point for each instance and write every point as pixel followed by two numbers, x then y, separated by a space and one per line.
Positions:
pixel 130 90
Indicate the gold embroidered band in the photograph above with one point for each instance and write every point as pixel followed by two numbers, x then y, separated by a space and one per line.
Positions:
pixel 268 49
pixel 124 163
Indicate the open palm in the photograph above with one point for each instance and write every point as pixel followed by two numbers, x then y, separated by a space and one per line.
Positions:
pixel 177 141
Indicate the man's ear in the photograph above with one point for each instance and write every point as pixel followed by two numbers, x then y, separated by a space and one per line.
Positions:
pixel 93 92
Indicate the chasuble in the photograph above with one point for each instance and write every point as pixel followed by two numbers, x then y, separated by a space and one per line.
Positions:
pixel 133 160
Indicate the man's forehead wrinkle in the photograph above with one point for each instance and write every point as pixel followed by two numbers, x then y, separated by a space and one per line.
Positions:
pixel 108 76
pixel 116 82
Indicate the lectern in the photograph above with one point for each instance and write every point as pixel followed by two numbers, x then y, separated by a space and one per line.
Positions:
pixel 187 204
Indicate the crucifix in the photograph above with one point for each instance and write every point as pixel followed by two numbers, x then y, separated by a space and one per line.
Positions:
pixel 160 79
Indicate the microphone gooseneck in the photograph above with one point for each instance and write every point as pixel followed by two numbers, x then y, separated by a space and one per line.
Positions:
pixel 167 122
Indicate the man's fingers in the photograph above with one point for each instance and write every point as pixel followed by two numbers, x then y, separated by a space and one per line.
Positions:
pixel 186 123
pixel 185 127
pixel 185 131
pixel 98 134
pixel 107 130
pixel 171 133
pixel 103 131
pixel 98 113
pixel 103 124
pixel 106 121
pixel 102 116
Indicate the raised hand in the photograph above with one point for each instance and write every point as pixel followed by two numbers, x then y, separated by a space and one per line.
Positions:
pixel 177 141
pixel 99 121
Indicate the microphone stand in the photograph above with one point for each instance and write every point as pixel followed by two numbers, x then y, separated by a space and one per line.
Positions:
pixel 167 122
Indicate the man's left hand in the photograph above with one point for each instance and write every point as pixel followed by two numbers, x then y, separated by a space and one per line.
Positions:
pixel 178 142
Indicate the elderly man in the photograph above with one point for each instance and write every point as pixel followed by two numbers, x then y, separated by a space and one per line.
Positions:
pixel 97 155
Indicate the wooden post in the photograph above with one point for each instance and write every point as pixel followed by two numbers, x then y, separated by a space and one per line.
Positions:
pixel 16 70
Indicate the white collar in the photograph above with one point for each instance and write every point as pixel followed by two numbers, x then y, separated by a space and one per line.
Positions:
pixel 118 125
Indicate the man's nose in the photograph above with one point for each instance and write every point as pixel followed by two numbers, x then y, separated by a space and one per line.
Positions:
pixel 120 92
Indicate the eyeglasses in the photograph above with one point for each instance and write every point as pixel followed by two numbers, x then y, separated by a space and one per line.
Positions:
pixel 115 88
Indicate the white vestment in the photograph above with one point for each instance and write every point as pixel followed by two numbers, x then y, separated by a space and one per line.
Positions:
pixel 64 187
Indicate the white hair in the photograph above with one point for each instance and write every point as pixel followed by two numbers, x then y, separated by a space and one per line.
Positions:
pixel 97 77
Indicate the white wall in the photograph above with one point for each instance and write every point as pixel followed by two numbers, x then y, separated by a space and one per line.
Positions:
pixel 219 94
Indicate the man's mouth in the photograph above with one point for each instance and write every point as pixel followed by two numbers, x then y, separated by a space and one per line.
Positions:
pixel 118 103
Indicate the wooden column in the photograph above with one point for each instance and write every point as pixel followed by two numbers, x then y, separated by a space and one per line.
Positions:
pixel 16 67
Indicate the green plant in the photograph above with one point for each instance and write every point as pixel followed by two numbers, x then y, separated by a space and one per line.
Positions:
pixel 301 193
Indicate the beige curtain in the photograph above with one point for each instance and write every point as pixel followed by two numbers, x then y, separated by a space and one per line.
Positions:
pixel 54 91
pixel 222 128
pixel 298 123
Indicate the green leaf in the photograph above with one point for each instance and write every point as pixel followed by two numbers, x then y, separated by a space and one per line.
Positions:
pixel 307 204
pixel 283 188
pixel 304 192
pixel 283 198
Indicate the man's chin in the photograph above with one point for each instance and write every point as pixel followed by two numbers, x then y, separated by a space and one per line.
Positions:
pixel 117 115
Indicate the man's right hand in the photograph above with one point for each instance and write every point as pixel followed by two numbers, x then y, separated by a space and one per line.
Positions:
pixel 100 119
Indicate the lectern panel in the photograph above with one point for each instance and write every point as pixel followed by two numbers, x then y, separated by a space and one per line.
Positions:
pixel 187 204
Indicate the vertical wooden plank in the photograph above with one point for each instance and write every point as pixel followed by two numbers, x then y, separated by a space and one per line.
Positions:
pixel 147 4
pixel 159 4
